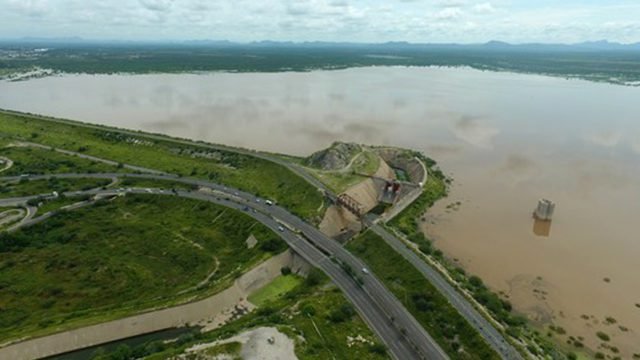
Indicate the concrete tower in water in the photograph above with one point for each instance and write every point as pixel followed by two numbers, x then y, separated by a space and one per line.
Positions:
pixel 545 210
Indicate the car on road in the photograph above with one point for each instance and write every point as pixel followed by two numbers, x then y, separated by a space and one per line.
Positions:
pixel 268 202
pixel 280 228
pixel 365 271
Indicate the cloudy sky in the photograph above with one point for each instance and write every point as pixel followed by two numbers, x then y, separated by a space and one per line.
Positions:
pixel 463 21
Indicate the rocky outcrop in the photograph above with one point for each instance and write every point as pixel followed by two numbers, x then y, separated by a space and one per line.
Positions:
pixel 335 157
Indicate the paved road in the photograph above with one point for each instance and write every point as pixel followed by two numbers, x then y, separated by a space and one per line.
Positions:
pixel 397 328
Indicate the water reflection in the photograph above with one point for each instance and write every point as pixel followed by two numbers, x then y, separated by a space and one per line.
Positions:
pixel 541 228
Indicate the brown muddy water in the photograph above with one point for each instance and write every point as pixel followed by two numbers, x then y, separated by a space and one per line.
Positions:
pixel 506 139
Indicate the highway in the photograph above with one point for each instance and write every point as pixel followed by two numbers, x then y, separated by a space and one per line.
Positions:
pixel 396 327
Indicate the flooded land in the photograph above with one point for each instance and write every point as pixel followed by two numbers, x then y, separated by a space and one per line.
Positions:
pixel 506 139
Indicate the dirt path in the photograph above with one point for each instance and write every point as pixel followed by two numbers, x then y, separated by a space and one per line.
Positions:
pixel 264 343
pixel 8 163
pixel 9 216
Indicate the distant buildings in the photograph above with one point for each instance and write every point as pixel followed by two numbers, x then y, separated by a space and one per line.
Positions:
pixel 545 209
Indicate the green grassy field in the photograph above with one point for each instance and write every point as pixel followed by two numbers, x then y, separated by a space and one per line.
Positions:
pixel 336 181
pixel 312 310
pixel 261 177
pixel 367 163
pixel 457 338
pixel 39 187
pixel 119 257
pixel 32 160
pixel 275 289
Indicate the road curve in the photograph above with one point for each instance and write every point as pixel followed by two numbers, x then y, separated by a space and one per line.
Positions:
pixel 395 326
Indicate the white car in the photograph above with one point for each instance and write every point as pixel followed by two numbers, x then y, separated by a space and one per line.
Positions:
pixel 365 271
pixel 268 202
pixel 280 228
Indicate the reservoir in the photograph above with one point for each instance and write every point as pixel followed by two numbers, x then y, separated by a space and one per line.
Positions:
pixel 506 139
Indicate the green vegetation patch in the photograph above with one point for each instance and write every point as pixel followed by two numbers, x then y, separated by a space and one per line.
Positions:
pixel 338 182
pixel 118 257
pixel 443 322
pixel 616 66
pixel 26 187
pixel 34 160
pixel 275 289
pixel 230 349
pixel 317 317
pixel 152 183
pixel 6 216
pixel 435 189
pixel 365 163
pixel 60 202
pixel 261 177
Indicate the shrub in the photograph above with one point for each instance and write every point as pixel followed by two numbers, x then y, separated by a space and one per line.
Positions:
pixel 378 348
pixel 309 310
pixel 314 277
pixel 342 314
pixel 603 336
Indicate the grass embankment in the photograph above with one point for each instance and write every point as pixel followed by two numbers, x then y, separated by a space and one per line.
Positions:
pixel 151 183
pixel 60 202
pixel 274 290
pixel 457 338
pixel 319 314
pixel 37 161
pixel 38 187
pixel 119 257
pixel 261 177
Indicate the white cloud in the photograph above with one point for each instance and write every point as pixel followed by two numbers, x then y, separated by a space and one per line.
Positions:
pixel 605 139
pixel 635 145
pixel 331 20
pixel 32 8
pixel 475 131
pixel 157 5
pixel 449 13
pixel 484 8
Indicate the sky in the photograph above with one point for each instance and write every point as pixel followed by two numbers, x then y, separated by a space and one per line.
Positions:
pixel 420 21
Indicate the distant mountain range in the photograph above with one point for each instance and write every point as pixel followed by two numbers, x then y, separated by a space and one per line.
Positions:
pixel 601 45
